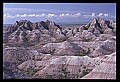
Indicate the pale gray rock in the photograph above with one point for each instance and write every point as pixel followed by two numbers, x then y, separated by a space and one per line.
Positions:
pixel 84 36
pixel 109 31
pixel 103 37
pixel 107 48
pixel 106 70
pixel 49 48
pixel 69 33
pixel 24 32
pixel 46 39
pixel 67 48
pixel 68 67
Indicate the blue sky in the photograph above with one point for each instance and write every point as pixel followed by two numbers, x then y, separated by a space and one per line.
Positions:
pixel 58 12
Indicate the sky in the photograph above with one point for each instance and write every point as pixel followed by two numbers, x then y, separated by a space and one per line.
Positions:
pixel 58 12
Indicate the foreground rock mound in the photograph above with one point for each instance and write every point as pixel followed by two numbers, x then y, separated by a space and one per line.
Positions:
pixel 106 70
pixel 10 71
pixel 62 67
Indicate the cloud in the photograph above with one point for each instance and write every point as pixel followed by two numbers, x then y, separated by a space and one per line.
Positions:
pixel 106 15
pixel 69 15
pixel 17 15
pixel 4 15
pixel 24 15
pixel 93 14
pixel 78 14
pixel 101 14
pixel 31 15
pixel 7 15
pixel 43 14
pixel 88 15
pixel 62 15
pixel 40 15
pixel 51 15
pixel 98 15
pixel 57 16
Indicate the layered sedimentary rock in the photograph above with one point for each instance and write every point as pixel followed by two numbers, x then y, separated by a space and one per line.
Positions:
pixel 98 26
pixel 65 67
pixel 105 49
pixel 47 51
pixel 106 70
pixel 26 32
pixel 63 48
pixel 84 36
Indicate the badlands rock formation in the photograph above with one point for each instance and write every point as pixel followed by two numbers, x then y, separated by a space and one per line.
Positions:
pixel 27 33
pixel 64 48
pixel 45 50
pixel 66 67
pixel 11 71
pixel 106 70
pixel 16 55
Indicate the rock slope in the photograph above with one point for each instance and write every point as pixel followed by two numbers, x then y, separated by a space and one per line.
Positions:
pixel 106 70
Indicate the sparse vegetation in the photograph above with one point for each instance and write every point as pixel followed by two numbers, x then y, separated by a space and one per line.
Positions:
pixel 31 71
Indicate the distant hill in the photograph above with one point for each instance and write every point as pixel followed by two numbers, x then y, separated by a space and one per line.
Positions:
pixel 59 23
pixel 6 25
pixel 72 23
